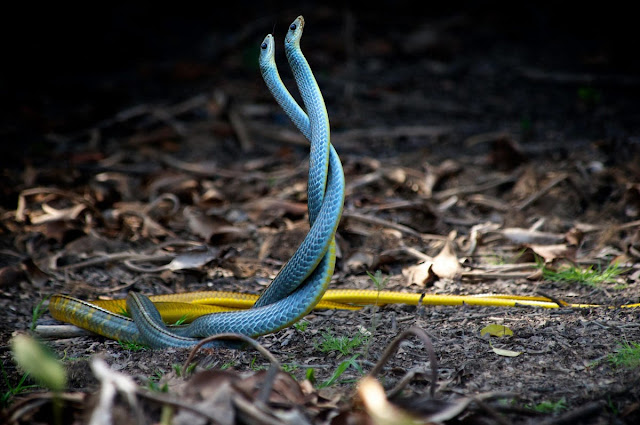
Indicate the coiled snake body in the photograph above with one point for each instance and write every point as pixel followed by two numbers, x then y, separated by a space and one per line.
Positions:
pixel 301 282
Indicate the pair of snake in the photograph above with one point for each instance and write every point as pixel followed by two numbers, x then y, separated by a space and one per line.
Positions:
pixel 302 281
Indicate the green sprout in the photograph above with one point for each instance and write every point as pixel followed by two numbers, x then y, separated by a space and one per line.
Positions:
pixel 589 276
pixel 342 344
pixel 627 356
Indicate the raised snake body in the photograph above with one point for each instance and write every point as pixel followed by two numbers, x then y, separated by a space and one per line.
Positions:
pixel 301 282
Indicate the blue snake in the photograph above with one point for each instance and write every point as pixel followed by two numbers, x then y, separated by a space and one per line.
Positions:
pixel 302 281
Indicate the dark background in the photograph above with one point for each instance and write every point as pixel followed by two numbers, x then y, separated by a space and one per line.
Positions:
pixel 66 68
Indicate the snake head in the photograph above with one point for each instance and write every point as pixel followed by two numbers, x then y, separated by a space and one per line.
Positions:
pixel 267 51
pixel 295 31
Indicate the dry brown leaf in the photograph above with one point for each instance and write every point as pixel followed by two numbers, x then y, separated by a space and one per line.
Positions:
pixel 51 214
pixel 435 174
pixel 192 260
pixel 213 229
pixel 526 184
pixel 285 391
pixel 12 275
pixel 553 252
pixel 62 231
pixel 199 224
pixel 381 410
pixel 359 261
pixel 526 236
pixel 267 209
pixel 445 265
pixel 421 274
pixel 210 391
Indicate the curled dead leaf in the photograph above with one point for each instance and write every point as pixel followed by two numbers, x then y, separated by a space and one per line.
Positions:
pixel 213 229
pixel 553 252
pixel 445 265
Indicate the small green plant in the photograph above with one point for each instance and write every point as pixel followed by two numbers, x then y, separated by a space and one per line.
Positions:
pixel 589 276
pixel 177 369
pixel 181 320
pixel 38 311
pixel 550 406
pixel 153 382
pixel 301 325
pixel 613 406
pixel 342 367
pixel 290 367
pixel 627 356
pixel 20 387
pixel 378 281
pixel 228 365
pixel 256 367
pixel 342 344
pixel 131 346
pixel 310 375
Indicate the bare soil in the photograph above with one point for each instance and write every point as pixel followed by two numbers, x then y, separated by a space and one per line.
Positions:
pixel 502 116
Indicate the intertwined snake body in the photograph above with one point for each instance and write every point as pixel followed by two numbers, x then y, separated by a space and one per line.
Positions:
pixel 300 284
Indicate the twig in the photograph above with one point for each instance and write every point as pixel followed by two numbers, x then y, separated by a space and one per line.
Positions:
pixel 496 275
pixel 211 170
pixel 426 341
pixel 466 190
pixel 61 331
pixel 254 413
pixel 391 132
pixel 272 372
pixel 534 197
pixel 117 256
pixel 25 406
pixel 242 133
pixel 385 223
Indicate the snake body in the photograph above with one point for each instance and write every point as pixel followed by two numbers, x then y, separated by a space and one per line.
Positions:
pixel 302 281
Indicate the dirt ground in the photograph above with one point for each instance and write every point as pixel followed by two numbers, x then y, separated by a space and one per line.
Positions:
pixel 513 131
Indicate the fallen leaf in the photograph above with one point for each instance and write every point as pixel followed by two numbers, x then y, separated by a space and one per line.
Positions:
pixel 268 209
pixel 496 330
pixel 213 229
pixel 505 353
pixel 52 214
pixel 359 262
pixel 446 264
pixel 421 274
pixel 553 252
pixel 435 174
pixel 192 260
pixel 377 405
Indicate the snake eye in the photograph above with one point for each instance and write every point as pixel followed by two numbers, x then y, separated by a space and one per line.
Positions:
pixel 293 27
pixel 263 46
